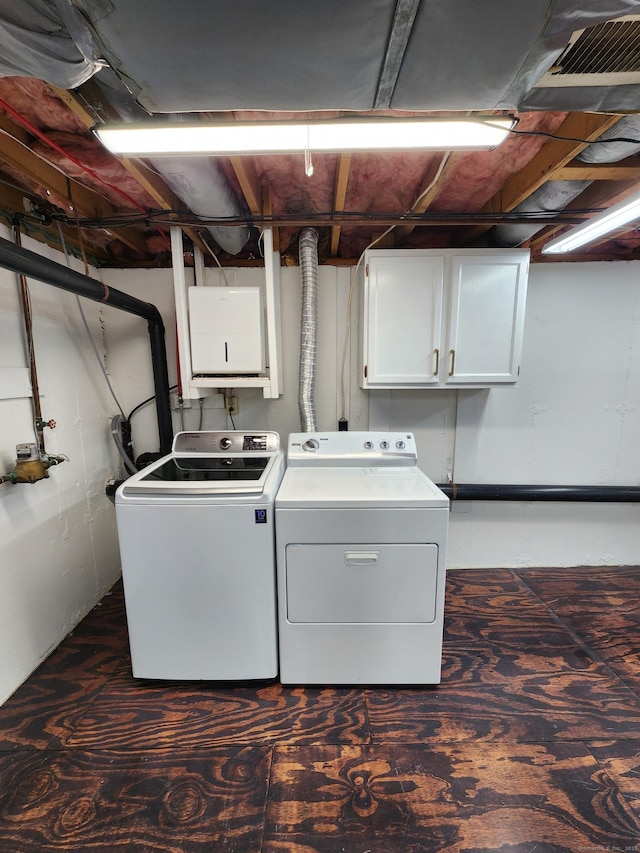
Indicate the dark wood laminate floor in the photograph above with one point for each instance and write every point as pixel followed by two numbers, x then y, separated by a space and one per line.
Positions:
pixel 531 742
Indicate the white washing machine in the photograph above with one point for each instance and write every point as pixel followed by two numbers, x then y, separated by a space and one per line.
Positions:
pixel 197 543
pixel 361 537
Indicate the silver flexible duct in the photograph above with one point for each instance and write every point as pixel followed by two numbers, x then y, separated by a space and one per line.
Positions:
pixel 556 195
pixel 308 256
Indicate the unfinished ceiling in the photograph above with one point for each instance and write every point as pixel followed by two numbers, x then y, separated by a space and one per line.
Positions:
pixel 570 71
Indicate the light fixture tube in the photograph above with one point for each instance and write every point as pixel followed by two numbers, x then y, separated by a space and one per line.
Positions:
pixel 618 215
pixel 197 139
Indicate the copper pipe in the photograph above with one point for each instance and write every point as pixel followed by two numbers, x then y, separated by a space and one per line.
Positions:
pixel 31 353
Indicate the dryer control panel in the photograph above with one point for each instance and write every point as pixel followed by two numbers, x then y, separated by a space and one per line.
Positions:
pixel 338 449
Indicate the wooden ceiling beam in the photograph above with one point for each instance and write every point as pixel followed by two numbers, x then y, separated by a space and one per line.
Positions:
pixel 249 183
pixel 580 130
pixel 12 200
pixel 268 211
pixel 625 170
pixel 343 167
pixel 596 196
pixel 84 201
pixel 90 106
pixel 438 170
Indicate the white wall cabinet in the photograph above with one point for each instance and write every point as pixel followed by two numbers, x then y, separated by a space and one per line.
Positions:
pixel 442 318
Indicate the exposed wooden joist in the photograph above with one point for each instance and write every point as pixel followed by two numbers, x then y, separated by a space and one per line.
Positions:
pixel 597 196
pixel 15 130
pixel 626 170
pixel 343 167
pixel 556 153
pixel 437 171
pixel 90 106
pixel 268 211
pixel 12 200
pixel 81 105
pixel 86 202
pixel 249 184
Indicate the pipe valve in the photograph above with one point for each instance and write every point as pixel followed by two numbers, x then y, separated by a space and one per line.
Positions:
pixel 31 465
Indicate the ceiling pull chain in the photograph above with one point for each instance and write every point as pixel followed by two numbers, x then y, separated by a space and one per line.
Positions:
pixel 308 163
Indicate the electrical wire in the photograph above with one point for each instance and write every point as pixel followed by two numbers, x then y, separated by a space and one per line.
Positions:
pixel 216 259
pixel 65 153
pixel 350 218
pixel 88 330
pixel 54 145
pixel 574 138
pixel 145 403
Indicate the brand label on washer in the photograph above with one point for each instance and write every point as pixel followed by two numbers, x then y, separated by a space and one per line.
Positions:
pixel 261 516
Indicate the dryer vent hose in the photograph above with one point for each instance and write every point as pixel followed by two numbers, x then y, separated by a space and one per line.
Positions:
pixel 308 255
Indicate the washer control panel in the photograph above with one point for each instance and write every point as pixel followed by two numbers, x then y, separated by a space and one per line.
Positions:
pixel 232 441
pixel 352 448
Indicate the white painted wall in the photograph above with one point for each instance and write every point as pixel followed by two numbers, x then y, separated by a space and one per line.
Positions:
pixel 130 366
pixel 58 549
pixel 573 418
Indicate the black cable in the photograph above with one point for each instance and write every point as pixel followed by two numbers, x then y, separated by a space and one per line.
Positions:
pixel 145 403
pixel 575 139
pixel 343 217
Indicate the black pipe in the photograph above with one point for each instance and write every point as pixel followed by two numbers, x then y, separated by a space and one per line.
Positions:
pixel 499 492
pixel 24 262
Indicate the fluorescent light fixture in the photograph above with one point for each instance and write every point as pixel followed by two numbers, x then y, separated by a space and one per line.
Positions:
pixel 263 137
pixel 597 226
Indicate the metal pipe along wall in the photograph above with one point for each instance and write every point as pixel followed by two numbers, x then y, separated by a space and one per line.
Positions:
pixel 24 262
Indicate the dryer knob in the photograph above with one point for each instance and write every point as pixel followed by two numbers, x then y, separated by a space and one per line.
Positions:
pixel 368 445
pixel 384 445
pixel 311 445
pixel 225 443
pixel 400 445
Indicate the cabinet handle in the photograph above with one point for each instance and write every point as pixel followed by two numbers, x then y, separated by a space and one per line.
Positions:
pixel 437 367
pixel 452 353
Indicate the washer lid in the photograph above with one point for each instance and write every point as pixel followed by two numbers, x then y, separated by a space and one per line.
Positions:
pixel 183 474
pixel 350 487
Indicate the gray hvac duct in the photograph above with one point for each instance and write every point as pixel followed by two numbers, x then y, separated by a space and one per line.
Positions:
pixel 556 195
pixel 201 184
pixel 308 256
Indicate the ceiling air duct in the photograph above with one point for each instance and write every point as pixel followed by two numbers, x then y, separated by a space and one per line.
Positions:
pixel 556 195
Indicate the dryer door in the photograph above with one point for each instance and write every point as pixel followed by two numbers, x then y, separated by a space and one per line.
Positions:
pixel 370 583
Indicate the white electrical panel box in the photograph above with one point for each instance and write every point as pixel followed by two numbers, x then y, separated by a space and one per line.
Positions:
pixel 227 330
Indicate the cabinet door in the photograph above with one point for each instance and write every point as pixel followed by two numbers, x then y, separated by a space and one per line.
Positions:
pixel 402 321
pixel 488 293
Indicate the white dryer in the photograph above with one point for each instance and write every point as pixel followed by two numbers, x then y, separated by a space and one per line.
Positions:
pixel 361 536
pixel 197 543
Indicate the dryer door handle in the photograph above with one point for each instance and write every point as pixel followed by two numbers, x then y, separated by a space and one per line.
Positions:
pixel 361 558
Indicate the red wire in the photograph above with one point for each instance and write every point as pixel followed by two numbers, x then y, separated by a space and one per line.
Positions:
pixel 42 136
